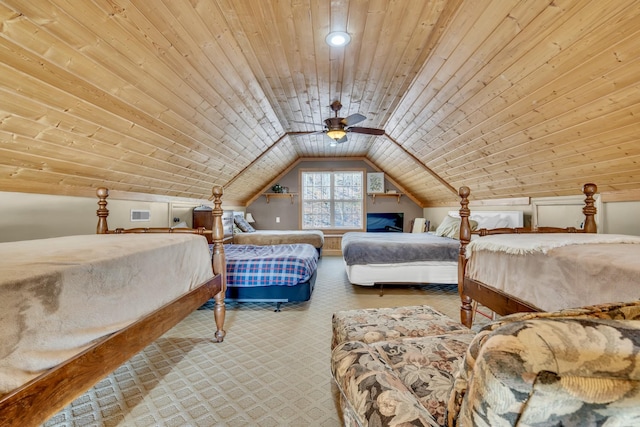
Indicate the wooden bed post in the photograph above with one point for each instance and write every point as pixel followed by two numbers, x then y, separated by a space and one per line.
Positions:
pixel 218 262
pixel 102 211
pixel 218 259
pixel 589 209
pixel 466 309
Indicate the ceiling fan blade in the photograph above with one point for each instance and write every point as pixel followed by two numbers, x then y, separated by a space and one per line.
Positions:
pixel 368 131
pixel 353 119
pixel 342 140
pixel 311 132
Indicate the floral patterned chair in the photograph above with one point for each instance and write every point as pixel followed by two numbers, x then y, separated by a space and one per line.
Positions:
pixel 413 366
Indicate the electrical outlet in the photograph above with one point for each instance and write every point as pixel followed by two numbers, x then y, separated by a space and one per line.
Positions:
pixel 277 219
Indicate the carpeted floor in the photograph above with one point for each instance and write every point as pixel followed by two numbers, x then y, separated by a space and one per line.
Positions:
pixel 271 370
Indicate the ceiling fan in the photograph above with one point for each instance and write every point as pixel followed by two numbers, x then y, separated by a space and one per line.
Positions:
pixel 336 128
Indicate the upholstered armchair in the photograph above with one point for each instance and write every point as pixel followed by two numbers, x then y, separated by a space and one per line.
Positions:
pixel 573 367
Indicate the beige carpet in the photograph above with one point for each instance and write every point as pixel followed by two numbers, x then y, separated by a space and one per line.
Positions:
pixel 271 370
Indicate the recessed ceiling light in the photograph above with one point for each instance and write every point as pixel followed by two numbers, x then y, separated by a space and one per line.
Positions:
pixel 338 38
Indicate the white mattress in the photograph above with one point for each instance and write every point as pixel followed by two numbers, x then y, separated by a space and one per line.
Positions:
pixel 409 272
pixel 59 295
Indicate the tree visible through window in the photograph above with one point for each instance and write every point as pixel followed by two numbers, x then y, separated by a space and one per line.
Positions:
pixel 332 199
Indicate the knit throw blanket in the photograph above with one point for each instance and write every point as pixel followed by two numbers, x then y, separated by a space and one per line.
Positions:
pixel 521 244
pixel 59 295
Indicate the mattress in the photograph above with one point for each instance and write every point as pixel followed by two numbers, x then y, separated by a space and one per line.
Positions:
pixel 273 265
pixel 59 295
pixel 563 276
pixel 359 248
pixel 280 237
pixel 442 272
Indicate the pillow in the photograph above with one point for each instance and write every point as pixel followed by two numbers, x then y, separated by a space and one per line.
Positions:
pixel 181 224
pixel 498 221
pixel 503 222
pixel 450 227
pixel 236 230
pixel 243 224
pixel 488 222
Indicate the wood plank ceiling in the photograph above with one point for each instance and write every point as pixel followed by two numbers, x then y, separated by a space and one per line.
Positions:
pixel 169 97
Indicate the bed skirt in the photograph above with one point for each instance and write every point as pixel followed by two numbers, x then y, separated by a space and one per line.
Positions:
pixel 297 293
pixel 444 272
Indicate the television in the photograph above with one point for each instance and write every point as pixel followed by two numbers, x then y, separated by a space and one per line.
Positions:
pixel 385 222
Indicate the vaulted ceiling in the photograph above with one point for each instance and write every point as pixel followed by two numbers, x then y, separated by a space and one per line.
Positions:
pixel 169 97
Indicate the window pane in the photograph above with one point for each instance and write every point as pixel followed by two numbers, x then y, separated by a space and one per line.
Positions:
pixel 332 199
pixel 316 186
pixel 348 214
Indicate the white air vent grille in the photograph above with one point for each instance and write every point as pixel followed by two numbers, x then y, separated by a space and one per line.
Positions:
pixel 140 215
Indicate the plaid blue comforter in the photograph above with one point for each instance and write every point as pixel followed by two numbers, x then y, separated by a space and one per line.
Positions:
pixel 274 265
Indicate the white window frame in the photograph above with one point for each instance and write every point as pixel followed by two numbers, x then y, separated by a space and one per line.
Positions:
pixel 333 201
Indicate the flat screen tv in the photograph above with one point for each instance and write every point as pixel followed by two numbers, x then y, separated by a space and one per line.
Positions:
pixel 385 222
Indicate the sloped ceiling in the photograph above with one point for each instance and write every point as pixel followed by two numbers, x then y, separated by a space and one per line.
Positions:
pixel 511 98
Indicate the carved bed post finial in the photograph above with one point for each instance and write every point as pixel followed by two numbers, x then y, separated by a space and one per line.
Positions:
pixel 589 209
pixel 218 259
pixel 102 211
pixel 465 227
pixel 466 310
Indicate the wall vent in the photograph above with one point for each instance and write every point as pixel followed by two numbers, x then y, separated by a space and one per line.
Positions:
pixel 140 215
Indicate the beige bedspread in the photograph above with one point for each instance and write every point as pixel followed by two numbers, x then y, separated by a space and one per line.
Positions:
pixel 563 277
pixel 58 295
pixel 521 244
pixel 280 237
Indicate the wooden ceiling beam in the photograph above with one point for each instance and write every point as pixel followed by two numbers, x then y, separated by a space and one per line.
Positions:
pixel 423 166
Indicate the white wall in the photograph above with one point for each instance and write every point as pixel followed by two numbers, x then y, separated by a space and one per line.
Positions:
pixel 616 217
pixel 622 218
pixel 34 216
pixel 25 216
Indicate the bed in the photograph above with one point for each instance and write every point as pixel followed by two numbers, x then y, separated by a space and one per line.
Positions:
pixel 246 234
pixel 272 273
pixel 512 270
pixel 65 324
pixel 401 258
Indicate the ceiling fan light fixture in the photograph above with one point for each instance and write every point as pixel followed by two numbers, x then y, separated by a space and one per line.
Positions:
pixel 336 134
pixel 338 38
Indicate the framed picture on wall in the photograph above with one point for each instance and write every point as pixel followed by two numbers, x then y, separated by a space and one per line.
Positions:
pixel 375 182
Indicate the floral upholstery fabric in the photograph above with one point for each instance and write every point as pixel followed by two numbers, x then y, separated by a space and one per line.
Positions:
pixel 576 367
pixel 416 344
pixel 402 382
pixel 379 324
pixel 581 322
pixel 566 372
